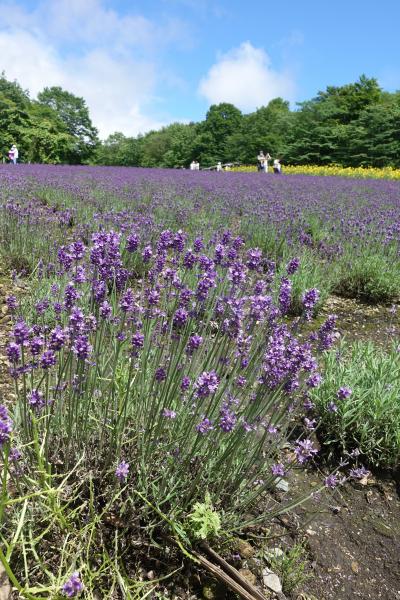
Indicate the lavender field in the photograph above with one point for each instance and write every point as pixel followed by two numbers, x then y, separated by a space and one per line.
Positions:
pixel 169 371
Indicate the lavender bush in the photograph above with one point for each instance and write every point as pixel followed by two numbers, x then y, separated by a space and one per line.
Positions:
pixel 144 391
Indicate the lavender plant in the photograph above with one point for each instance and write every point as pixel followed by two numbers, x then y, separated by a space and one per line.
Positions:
pixel 161 384
pixel 358 402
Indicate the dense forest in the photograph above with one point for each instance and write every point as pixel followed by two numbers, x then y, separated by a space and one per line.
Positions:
pixel 357 124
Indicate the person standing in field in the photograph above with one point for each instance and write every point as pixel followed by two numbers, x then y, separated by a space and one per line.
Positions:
pixel 192 166
pixel 266 159
pixel 277 166
pixel 219 166
pixel 260 161
pixel 13 154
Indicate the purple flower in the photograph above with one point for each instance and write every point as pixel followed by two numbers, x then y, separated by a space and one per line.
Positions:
pixel 343 393
pixel 48 359
pixel 204 426
pixel 254 256
pixel 168 414
pixel 160 374
pixel 36 344
pixel 304 450
pixel 77 250
pixel 314 380
pixel 359 472
pixel 137 341
pixel 285 294
pixel 194 343
pixel 13 352
pixel 185 384
pixel 178 241
pixel 310 423
pixel 77 320
pixel 105 310
pixel 73 586
pixel 132 242
pixel 36 400
pixel 240 381
pixel 228 419
pixel 326 333
pixel 292 266
pixel 331 481
pixel 71 295
pixel 310 299
pixel 79 274
pixel 127 301
pixel 153 297
pixel 21 332
pixel 189 259
pixel 206 384
pixel 278 469
pixel 81 347
pixel 147 253
pixel 15 455
pixel 332 408
pixel 57 338
pixel 122 471
pixel 99 290
pixel 180 318
pixel 5 425
pixel 198 245
pixel 237 273
pixel 12 303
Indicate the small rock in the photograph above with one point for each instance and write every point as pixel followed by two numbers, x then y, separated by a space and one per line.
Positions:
pixel 272 581
pixel 282 485
pixel 248 575
pixel 150 575
pixel 5 319
pixel 5 587
pixel 354 567
pixel 245 549
pixel 311 532
pixel 4 309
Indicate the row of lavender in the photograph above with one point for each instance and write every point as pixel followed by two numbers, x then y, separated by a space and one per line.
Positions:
pixel 347 230
pixel 147 361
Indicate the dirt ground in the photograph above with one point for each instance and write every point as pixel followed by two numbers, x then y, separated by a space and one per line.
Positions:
pixel 352 540
pixel 358 321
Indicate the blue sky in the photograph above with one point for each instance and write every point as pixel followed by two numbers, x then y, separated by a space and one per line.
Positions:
pixel 144 64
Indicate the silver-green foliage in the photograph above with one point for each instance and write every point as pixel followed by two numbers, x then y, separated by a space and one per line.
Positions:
pixel 369 419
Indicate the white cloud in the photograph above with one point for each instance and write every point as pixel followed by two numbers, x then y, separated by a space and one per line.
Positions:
pixel 92 52
pixel 244 76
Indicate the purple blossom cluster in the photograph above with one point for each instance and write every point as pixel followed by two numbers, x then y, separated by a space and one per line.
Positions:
pixel 6 425
pixel 73 586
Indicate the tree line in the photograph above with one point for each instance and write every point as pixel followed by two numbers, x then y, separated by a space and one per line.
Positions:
pixel 357 124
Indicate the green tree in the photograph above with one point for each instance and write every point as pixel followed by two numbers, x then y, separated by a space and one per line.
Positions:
pixel 74 113
pixel 222 121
